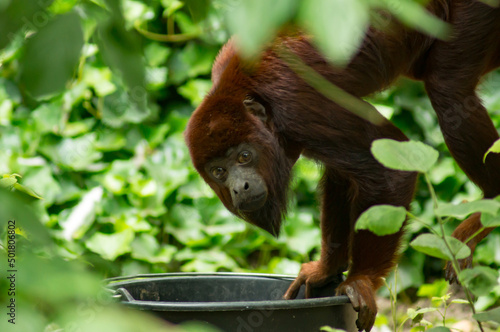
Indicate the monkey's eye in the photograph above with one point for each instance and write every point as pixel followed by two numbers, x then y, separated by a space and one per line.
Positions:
pixel 244 157
pixel 218 172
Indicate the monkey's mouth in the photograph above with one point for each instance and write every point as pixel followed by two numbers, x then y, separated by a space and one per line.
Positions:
pixel 253 203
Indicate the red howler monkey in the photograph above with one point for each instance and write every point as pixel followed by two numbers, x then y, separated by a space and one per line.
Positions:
pixel 258 118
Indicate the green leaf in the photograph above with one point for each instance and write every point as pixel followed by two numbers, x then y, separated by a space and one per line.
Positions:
pixel 491 315
pixel 404 156
pixel 143 187
pixel 99 79
pixel 495 148
pixel 412 313
pixel 437 288
pixel 8 180
pixel 41 180
pixel 72 129
pixel 48 118
pixel 167 165
pixel 302 234
pixel 488 220
pixel 382 219
pixel 195 90
pixel 136 11
pixel 464 209
pixel 198 58
pixel 185 224
pixel 171 6
pixel 75 153
pixel 205 260
pixel 434 246
pixel 62 6
pixel 109 140
pixel 121 49
pixel 186 24
pixel 156 54
pixel 146 247
pixel 52 55
pixel 480 279
pixel 338 25
pixel 118 176
pixel 256 22
pixel 110 246
pixel 119 108
pixel 21 14
pixel 26 190
pixel 56 284
pixel 198 9
pixel 460 301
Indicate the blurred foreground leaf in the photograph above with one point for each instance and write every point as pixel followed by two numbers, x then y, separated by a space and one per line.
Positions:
pixel 51 55
pixel 413 14
pixel 348 19
pixel 122 52
pixel 256 22
pixel 27 14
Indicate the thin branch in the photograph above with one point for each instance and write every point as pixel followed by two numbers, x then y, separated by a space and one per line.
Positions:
pixel 173 38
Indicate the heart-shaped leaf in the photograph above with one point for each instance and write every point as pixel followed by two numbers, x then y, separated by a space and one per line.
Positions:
pixel 382 219
pixel 404 156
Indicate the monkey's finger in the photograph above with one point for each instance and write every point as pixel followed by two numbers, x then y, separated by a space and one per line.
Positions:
pixel 366 317
pixel 365 321
pixel 353 296
pixel 293 289
pixel 365 325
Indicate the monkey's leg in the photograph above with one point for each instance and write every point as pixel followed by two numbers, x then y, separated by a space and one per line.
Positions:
pixel 469 133
pixel 372 259
pixel 452 74
pixel 335 234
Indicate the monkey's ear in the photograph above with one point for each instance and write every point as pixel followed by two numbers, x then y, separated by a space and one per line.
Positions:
pixel 255 108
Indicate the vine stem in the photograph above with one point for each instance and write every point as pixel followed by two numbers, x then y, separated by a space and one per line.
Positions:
pixel 475 234
pixel 453 260
pixel 169 38
pixel 426 225
pixel 393 301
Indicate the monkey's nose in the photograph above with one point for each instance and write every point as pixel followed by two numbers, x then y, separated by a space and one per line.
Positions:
pixel 245 187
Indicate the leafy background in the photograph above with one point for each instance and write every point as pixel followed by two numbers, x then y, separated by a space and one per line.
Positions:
pixel 94 98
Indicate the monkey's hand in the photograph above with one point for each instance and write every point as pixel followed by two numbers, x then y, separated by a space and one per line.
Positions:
pixel 360 291
pixel 312 274
pixel 450 273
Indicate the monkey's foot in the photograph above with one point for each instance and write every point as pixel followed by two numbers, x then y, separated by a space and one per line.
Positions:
pixel 449 271
pixel 360 291
pixel 312 274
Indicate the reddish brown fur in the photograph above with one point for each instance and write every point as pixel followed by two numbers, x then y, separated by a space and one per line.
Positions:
pixel 301 120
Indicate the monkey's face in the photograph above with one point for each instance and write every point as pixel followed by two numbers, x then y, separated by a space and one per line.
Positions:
pixel 236 152
pixel 237 171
